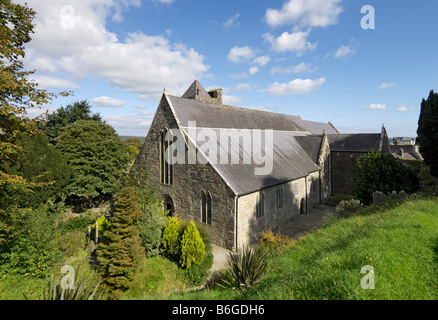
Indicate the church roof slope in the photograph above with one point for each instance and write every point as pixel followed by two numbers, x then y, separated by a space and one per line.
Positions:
pixel 210 115
pixel 360 142
pixel 289 160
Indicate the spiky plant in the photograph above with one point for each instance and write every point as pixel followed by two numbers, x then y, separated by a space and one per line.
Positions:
pixel 83 288
pixel 246 268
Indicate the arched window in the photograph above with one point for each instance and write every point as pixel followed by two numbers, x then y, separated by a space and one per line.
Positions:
pixel 260 205
pixel 206 207
pixel 166 167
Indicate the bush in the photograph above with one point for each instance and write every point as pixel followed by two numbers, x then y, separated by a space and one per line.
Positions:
pixel 192 247
pixel 35 248
pixel 382 172
pixel 245 269
pixel 83 289
pixel 171 237
pixel 102 225
pixel 348 207
pixel 274 242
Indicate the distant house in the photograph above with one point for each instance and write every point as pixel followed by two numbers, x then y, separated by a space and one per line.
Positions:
pixel 241 171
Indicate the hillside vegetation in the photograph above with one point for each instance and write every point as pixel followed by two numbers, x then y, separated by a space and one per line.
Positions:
pixel 400 242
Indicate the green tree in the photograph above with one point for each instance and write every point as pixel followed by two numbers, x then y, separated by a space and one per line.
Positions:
pixel 382 172
pixel 192 247
pixel 97 156
pixel 119 251
pixel 39 161
pixel 62 117
pixel 17 92
pixel 427 132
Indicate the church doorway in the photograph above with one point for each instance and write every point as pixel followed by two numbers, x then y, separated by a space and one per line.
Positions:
pixel 168 205
pixel 302 206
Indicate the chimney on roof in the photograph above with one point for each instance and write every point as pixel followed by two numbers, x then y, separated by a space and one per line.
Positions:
pixel 197 92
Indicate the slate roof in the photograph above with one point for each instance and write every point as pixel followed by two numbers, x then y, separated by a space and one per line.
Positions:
pixel 211 115
pixel 319 127
pixel 293 157
pixel 312 145
pixel 289 160
pixel 361 142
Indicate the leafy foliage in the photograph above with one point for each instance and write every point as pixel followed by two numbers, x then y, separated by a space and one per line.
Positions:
pixel 171 236
pixel 428 132
pixel 97 156
pixel 17 92
pixel 383 172
pixel 35 248
pixel 245 269
pixel 83 289
pixel 275 242
pixel 63 116
pixel 40 162
pixel 120 250
pixel 347 207
pixel 192 247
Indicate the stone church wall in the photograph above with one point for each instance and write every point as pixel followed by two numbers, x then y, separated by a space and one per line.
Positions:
pixel 188 182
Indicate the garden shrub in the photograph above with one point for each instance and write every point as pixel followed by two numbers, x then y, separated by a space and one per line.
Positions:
pixel 348 207
pixel 171 236
pixel 192 247
pixel 275 242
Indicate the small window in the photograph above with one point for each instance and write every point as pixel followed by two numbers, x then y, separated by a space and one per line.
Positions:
pixel 206 207
pixel 280 197
pixel 260 205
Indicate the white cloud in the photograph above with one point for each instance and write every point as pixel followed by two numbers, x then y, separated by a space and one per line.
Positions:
pixel 386 85
pixel 290 42
pixel 375 106
pixel 344 51
pixel 71 37
pixel 305 13
pixel 301 67
pixel 47 82
pixel 252 71
pixel 403 109
pixel 240 54
pixel 108 102
pixel 231 99
pixel 262 60
pixel 134 125
pixel 242 87
pixel 232 21
pixel 297 86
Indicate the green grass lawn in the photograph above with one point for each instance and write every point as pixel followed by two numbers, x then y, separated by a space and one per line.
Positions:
pixel 400 243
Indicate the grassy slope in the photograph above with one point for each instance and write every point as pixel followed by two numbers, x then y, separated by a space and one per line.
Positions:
pixel 400 243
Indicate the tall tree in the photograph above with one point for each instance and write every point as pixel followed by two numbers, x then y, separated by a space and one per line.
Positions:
pixel 17 92
pixel 120 250
pixel 98 157
pixel 59 119
pixel 427 132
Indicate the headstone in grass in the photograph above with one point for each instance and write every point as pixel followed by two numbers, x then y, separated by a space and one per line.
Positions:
pixel 402 195
pixel 393 195
pixel 379 199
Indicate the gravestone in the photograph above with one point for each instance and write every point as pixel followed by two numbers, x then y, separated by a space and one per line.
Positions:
pixel 379 198
pixel 393 195
pixel 402 195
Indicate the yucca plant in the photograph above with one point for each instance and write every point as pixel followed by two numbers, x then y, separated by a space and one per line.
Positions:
pixel 245 269
pixel 83 289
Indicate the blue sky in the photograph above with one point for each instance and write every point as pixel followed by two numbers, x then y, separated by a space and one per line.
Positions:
pixel 309 58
